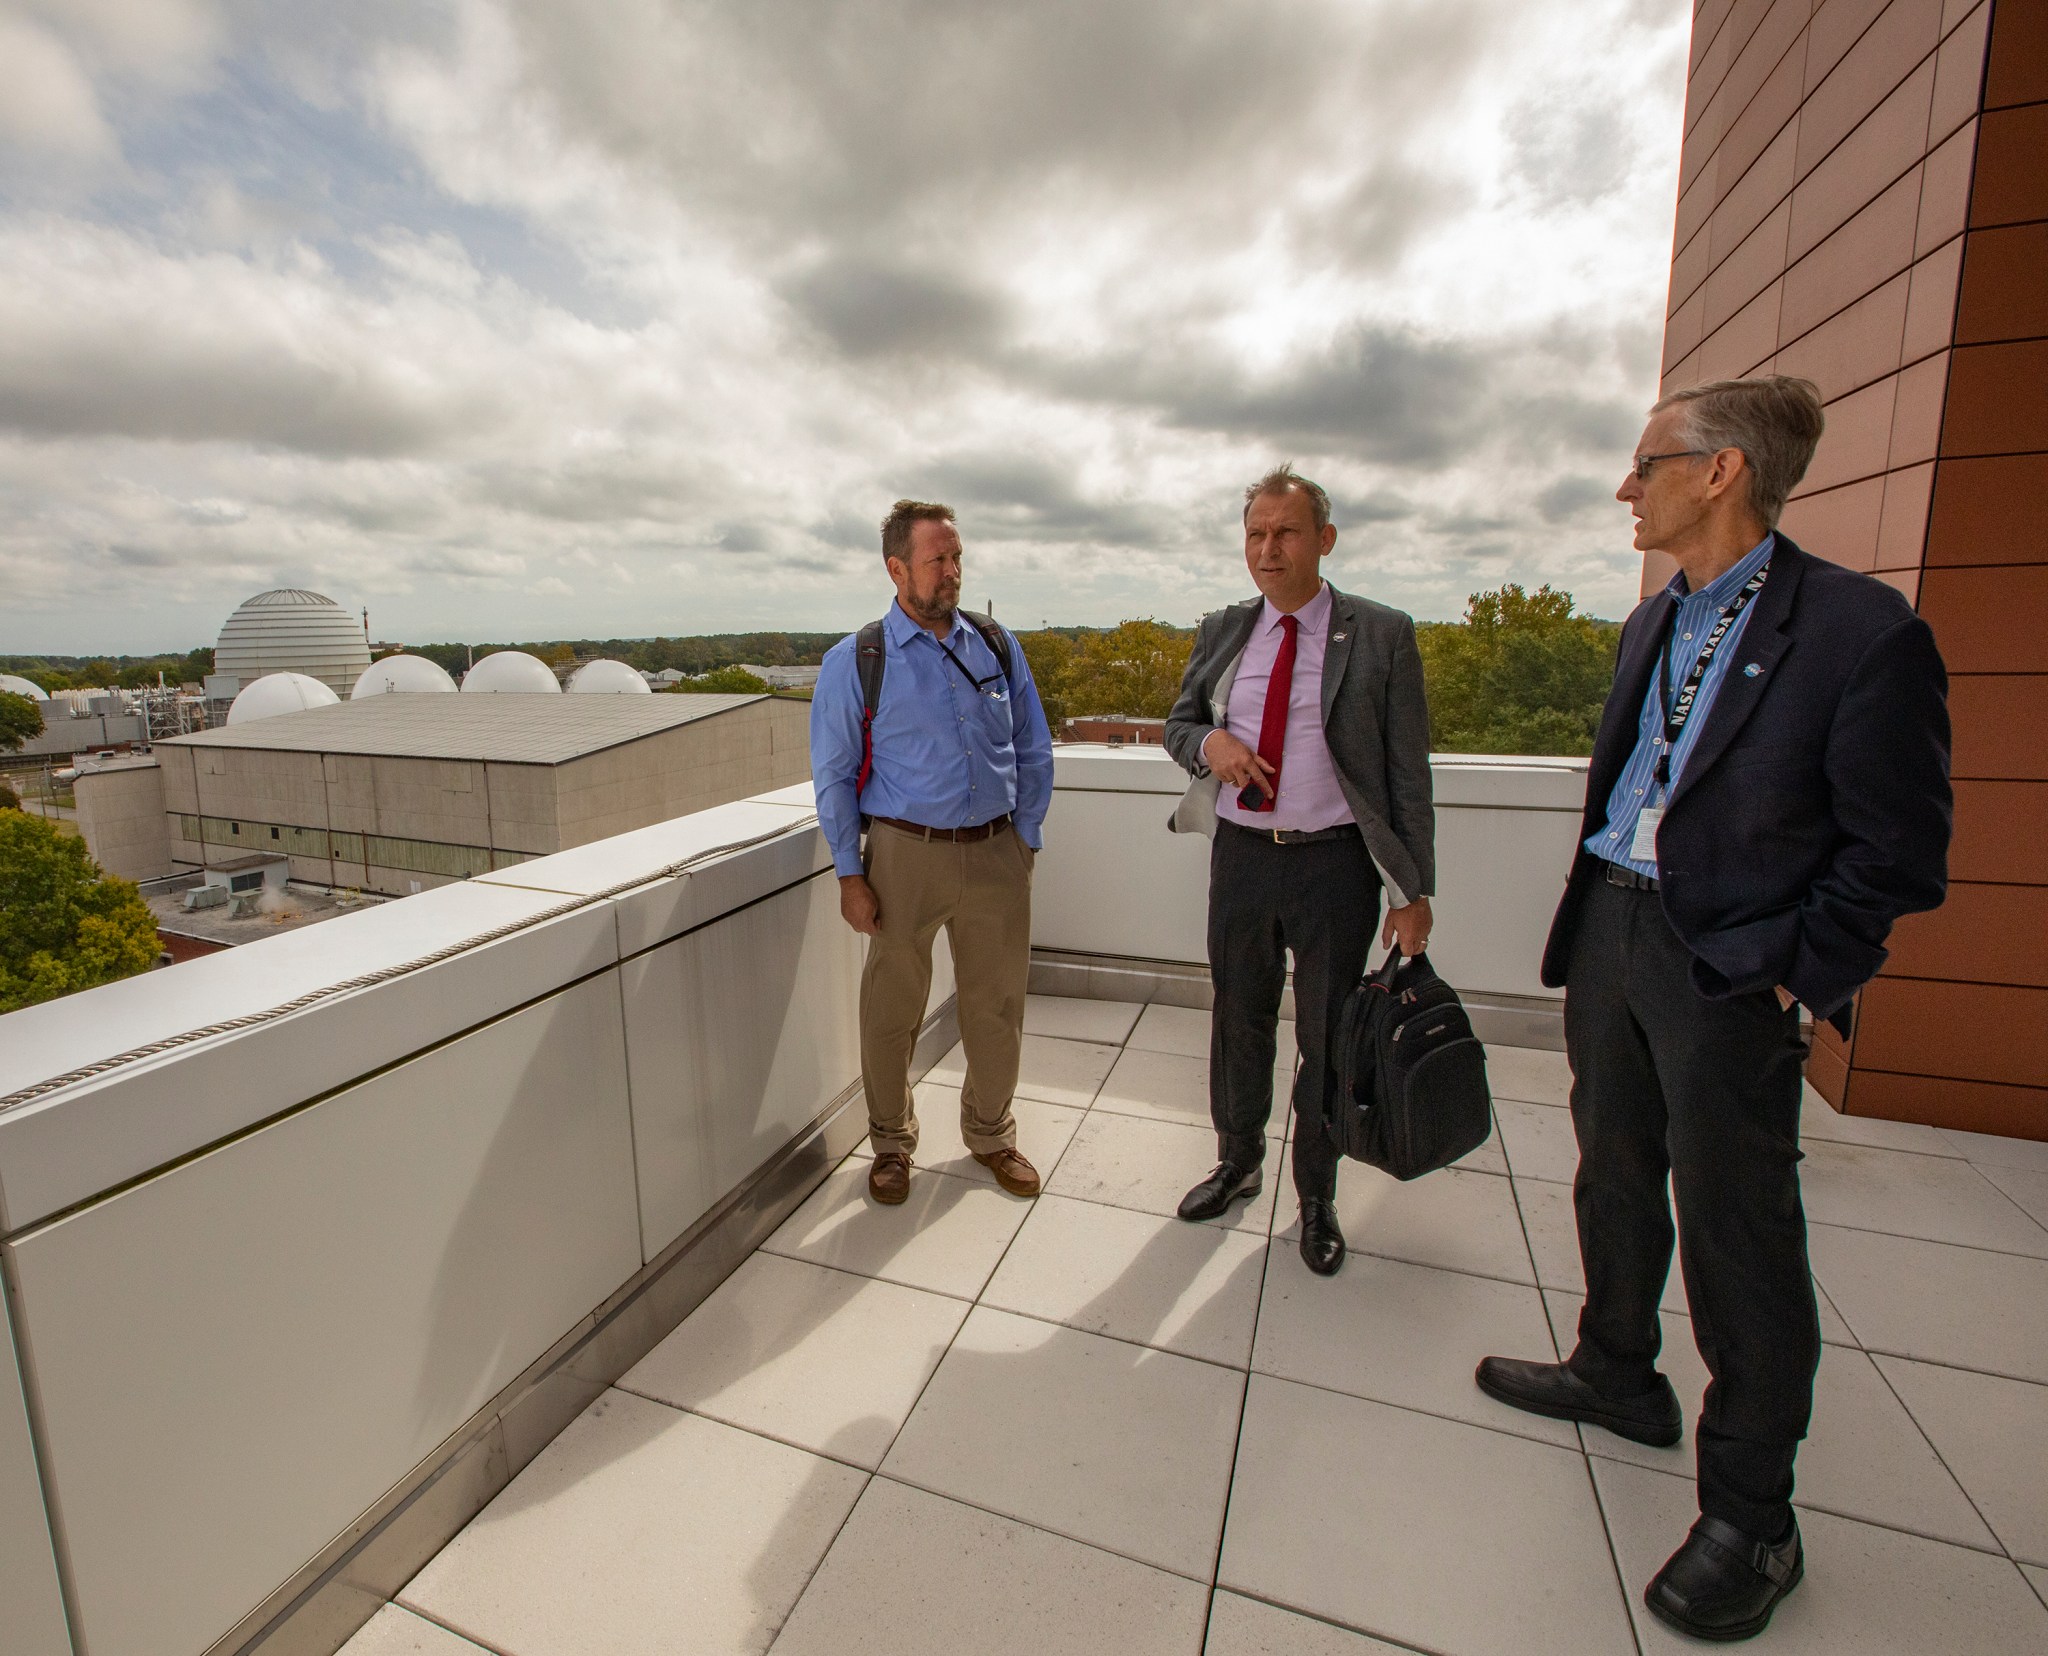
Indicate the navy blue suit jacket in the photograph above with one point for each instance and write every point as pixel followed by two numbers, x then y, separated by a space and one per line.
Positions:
pixel 1815 808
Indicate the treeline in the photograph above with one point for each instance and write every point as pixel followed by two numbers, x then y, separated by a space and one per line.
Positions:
pixel 703 654
pixel 1522 672
pixel 55 672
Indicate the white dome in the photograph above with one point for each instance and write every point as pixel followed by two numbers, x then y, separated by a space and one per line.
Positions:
pixel 400 672
pixel 290 631
pixel 607 678
pixel 22 687
pixel 276 693
pixel 512 670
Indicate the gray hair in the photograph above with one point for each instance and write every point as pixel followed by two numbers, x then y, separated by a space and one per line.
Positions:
pixel 1285 480
pixel 1774 419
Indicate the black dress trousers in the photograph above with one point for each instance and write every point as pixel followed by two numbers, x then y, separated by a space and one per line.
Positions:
pixel 1665 1081
pixel 1322 901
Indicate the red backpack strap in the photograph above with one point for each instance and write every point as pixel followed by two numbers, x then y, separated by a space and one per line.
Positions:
pixel 870 656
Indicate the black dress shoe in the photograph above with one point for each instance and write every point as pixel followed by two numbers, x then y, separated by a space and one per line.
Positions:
pixel 1722 1584
pixel 1322 1243
pixel 1222 1187
pixel 1552 1389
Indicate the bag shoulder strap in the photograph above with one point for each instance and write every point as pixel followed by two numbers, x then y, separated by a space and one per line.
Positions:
pixel 992 635
pixel 870 657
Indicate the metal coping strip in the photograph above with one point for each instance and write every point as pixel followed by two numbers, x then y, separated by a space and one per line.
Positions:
pixel 385 974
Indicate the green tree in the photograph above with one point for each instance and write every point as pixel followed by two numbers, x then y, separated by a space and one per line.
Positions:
pixel 64 925
pixel 726 681
pixel 21 719
pixel 1050 654
pixel 1520 674
pixel 9 799
pixel 1132 668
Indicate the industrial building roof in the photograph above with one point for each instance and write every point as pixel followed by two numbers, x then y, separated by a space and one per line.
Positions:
pixel 513 730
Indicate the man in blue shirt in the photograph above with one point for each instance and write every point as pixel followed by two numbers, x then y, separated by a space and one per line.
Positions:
pixel 952 776
pixel 1768 794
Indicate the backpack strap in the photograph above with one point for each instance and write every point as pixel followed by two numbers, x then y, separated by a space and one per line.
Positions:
pixel 993 636
pixel 870 656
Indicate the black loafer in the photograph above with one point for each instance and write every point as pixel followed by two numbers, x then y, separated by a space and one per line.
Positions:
pixel 1322 1243
pixel 1214 1194
pixel 1722 1584
pixel 1552 1389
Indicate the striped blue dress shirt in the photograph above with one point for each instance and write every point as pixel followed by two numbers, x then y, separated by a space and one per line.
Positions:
pixel 1697 613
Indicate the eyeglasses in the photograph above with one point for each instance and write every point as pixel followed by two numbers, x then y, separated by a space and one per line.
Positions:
pixel 1643 462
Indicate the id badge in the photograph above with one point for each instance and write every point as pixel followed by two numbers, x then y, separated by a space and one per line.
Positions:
pixel 1643 848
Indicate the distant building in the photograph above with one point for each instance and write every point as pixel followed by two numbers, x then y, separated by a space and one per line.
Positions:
pixel 201 914
pixel 665 678
pixel 396 793
pixel 289 630
pixel 1117 729
pixel 785 678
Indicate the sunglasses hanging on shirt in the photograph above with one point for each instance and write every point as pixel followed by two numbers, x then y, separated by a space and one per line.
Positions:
pixel 991 687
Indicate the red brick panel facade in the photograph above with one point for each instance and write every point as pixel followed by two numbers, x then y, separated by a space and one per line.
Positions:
pixel 1863 200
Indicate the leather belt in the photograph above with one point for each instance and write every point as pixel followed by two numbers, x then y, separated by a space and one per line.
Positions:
pixel 1297 836
pixel 1618 875
pixel 955 836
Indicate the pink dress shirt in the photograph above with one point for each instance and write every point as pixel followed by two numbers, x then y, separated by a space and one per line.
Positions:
pixel 1309 795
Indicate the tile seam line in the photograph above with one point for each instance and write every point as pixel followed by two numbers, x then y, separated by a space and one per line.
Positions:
pixel 435 1621
pixel 1927 1437
pixel 1942 1242
pixel 1996 1552
pixel 1326 1621
pixel 1573 1448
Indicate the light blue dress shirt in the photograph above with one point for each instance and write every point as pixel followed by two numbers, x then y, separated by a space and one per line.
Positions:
pixel 1697 613
pixel 945 754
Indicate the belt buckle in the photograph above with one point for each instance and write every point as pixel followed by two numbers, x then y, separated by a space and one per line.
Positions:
pixel 1275 832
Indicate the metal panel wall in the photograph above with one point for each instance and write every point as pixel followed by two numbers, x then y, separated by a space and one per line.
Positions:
pixel 738 1034
pixel 31 1603
pixel 237 1357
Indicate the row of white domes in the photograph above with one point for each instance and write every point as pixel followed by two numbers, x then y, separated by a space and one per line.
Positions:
pixel 507 671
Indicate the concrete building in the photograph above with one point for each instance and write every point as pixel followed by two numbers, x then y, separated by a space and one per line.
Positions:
pixel 400 793
pixel 292 631
pixel 121 819
pixel 1863 199
pixel 1115 730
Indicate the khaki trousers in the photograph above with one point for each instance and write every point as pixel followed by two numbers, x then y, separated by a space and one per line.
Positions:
pixel 981 893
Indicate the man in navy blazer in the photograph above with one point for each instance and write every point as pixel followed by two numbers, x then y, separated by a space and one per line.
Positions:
pixel 1768 794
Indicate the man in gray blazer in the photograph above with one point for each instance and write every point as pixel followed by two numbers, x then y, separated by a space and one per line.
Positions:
pixel 1303 721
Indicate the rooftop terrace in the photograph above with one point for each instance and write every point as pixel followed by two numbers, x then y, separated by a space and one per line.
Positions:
pixel 516 1290
pixel 981 1424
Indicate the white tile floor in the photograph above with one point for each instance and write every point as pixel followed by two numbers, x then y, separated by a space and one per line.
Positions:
pixel 975 1424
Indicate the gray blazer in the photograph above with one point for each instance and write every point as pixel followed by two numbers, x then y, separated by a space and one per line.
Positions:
pixel 1375 718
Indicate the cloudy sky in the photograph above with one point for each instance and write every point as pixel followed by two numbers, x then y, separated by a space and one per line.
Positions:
pixel 516 318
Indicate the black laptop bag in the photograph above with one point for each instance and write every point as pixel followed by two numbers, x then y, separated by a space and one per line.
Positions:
pixel 1411 1075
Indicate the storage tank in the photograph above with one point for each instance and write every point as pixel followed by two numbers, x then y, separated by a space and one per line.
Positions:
pixel 607 678
pixel 276 693
pixel 409 674
pixel 514 671
pixel 290 630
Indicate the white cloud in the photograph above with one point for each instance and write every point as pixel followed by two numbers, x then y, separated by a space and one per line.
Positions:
pixel 432 308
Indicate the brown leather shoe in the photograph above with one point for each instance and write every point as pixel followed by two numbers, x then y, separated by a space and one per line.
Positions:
pixel 889 1178
pixel 1012 1171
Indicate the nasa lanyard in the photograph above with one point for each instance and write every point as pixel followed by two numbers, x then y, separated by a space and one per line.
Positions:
pixel 1678 709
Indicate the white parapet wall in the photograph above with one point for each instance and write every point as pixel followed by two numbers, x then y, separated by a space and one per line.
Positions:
pixel 1115 882
pixel 255 1280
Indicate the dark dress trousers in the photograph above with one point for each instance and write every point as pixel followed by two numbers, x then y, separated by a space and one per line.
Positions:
pixel 1814 811
pixel 1320 900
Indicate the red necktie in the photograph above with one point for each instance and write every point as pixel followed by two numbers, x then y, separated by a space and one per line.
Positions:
pixel 1273 721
